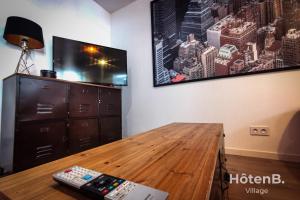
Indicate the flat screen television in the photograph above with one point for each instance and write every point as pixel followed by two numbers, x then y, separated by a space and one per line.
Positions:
pixel 89 63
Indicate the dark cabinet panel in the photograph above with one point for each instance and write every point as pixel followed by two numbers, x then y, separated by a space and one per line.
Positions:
pixel 45 119
pixel 83 101
pixel 110 102
pixel 83 134
pixel 38 143
pixel 40 99
pixel 111 129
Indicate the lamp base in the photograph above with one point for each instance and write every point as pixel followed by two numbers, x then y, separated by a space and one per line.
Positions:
pixel 23 66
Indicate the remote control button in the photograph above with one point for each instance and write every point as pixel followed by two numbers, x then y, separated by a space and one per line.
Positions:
pixel 97 184
pixel 115 184
pixel 67 170
pixel 87 177
pixel 111 187
pixel 104 192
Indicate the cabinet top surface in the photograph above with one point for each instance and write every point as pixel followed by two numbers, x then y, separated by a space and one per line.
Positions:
pixel 178 158
pixel 60 80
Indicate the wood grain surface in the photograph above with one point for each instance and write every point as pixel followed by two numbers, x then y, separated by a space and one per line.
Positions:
pixel 63 81
pixel 178 158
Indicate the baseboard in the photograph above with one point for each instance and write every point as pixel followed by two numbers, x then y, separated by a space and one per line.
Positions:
pixel 263 154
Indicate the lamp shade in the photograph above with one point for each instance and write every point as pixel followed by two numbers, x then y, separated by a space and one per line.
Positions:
pixel 18 29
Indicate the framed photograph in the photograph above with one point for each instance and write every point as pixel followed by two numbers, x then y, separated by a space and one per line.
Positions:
pixel 195 40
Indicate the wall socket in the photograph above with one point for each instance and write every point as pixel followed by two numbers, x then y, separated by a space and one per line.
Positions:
pixel 260 130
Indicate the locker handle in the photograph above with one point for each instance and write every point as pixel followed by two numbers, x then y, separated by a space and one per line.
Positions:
pixel 44 130
pixel 64 139
pixel 84 91
pixel 45 87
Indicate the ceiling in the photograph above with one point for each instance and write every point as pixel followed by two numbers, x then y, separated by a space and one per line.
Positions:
pixel 113 5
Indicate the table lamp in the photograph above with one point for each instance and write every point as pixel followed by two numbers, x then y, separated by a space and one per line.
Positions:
pixel 25 34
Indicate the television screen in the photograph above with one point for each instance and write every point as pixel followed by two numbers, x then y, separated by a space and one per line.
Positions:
pixel 84 62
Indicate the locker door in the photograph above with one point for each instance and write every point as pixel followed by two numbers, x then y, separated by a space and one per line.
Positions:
pixel 83 101
pixel 38 143
pixel 110 102
pixel 83 134
pixel 40 99
pixel 111 129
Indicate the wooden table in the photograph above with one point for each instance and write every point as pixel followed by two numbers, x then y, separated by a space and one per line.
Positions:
pixel 179 158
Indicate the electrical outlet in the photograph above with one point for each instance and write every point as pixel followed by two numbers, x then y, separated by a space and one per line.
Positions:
pixel 260 130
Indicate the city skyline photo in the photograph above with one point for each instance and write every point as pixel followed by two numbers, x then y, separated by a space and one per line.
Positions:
pixel 205 39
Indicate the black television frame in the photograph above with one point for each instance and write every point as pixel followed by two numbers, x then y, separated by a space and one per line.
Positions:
pixel 87 43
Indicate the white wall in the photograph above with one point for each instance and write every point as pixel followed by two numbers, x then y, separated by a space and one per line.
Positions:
pixel 73 19
pixel 82 20
pixel 270 99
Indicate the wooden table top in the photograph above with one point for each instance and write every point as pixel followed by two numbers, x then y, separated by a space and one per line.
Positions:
pixel 178 158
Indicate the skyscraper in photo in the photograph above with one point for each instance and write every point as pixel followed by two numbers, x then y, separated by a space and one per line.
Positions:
pixel 259 8
pixel 270 12
pixel 237 4
pixel 291 47
pixel 227 55
pixel 208 61
pixel 252 49
pixel 237 66
pixel 278 8
pixel 260 38
pixel 197 19
pixel 266 11
pixel 239 34
pixel 161 73
pixel 247 13
pixel 289 8
pixel 164 20
pixel 215 31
